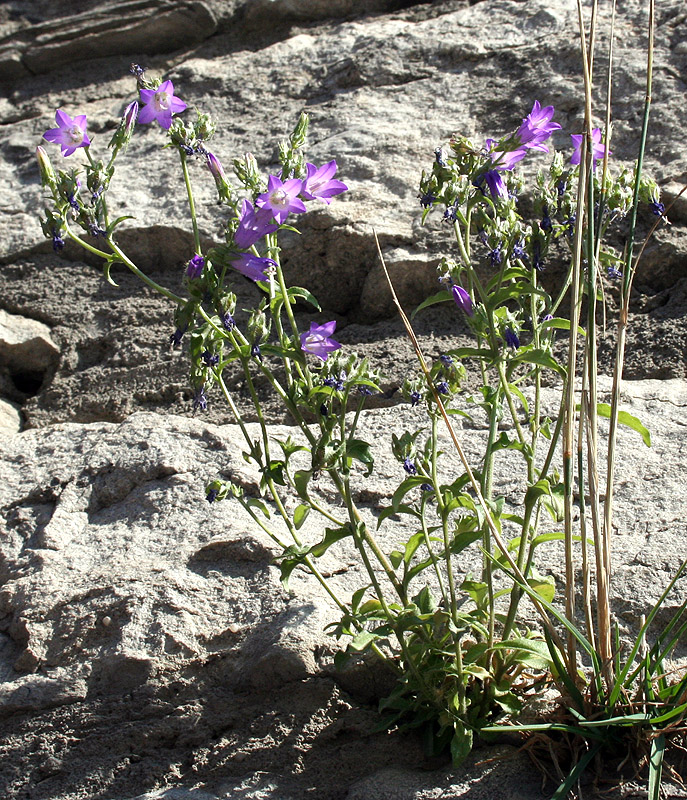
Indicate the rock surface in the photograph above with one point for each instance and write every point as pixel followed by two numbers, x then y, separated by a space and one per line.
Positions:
pixel 120 581
pixel 147 647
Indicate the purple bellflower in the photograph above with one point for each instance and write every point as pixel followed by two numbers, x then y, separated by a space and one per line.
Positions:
pixel 215 166
pixel 511 338
pixel 503 161
pixel 409 467
pixel 70 133
pixel 496 185
pixel 200 401
pixel 252 266
pixel 537 127
pixel 194 268
pixel 281 198
pixel 463 300
pixel 598 149
pixel 317 340
pixel 159 105
pixel 320 184
pixel 253 225
pixel 228 321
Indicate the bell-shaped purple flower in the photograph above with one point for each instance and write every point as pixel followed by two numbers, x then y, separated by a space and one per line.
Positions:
pixel 409 467
pixel 253 225
pixel 159 105
pixel 252 267
pixel 537 127
pixel 463 299
pixel 504 159
pixel 318 342
pixel 194 268
pixel 320 184
pixel 598 148
pixel 511 338
pixel 70 133
pixel 281 198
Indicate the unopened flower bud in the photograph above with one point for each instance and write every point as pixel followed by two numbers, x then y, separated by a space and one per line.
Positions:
pixel 224 190
pixel 122 136
pixel 48 177
pixel 300 131
pixel 247 172
pixel 204 127
pixel 216 168
pixel 258 326
pixel 130 116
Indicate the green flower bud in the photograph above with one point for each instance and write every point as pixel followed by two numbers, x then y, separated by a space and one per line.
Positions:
pixel 48 177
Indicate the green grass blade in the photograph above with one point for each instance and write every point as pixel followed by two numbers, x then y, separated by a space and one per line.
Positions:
pixel 622 677
pixel 656 767
pixel 562 792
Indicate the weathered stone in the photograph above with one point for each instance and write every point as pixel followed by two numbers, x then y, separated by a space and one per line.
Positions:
pixel 144 634
pixel 108 29
pixel 25 344
pixel 37 692
pixel 381 100
pixel 10 418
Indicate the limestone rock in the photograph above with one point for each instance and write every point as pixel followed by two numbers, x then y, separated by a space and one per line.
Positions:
pixel 10 418
pixel 25 344
pixel 383 91
pixel 108 29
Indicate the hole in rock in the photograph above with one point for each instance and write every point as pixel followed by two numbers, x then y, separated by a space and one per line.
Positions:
pixel 28 383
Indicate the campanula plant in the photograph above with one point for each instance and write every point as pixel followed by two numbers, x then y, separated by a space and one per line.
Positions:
pixel 462 650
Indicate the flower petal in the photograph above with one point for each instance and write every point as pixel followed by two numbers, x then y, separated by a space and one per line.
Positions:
pixel 63 119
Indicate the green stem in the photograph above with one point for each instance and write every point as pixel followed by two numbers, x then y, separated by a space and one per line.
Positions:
pixel 121 256
pixel 191 203
pixel 505 386
pixel 75 238
pixel 432 556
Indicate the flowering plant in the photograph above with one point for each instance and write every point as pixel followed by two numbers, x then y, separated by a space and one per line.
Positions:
pixel 463 651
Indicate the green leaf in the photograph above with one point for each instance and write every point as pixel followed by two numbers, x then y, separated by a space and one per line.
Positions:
pixel 331 535
pixel 289 560
pixel 541 358
pixel 425 601
pixel 461 743
pixel 357 597
pixel 301 479
pixel 536 490
pixel 299 292
pixel 275 471
pixel 289 447
pixel 624 418
pixel 404 487
pixel 280 352
pixel 656 766
pixel 476 589
pixel 509 703
pixel 440 297
pixel 473 352
pixel 465 538
pixel 300 515
pixel 530 652
pixel 360 450
pixel 516 390
pixel 254 502
pixel 544 587
pixel 118 221
pixel 362 641
pixel 390 511
pixel 562 324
